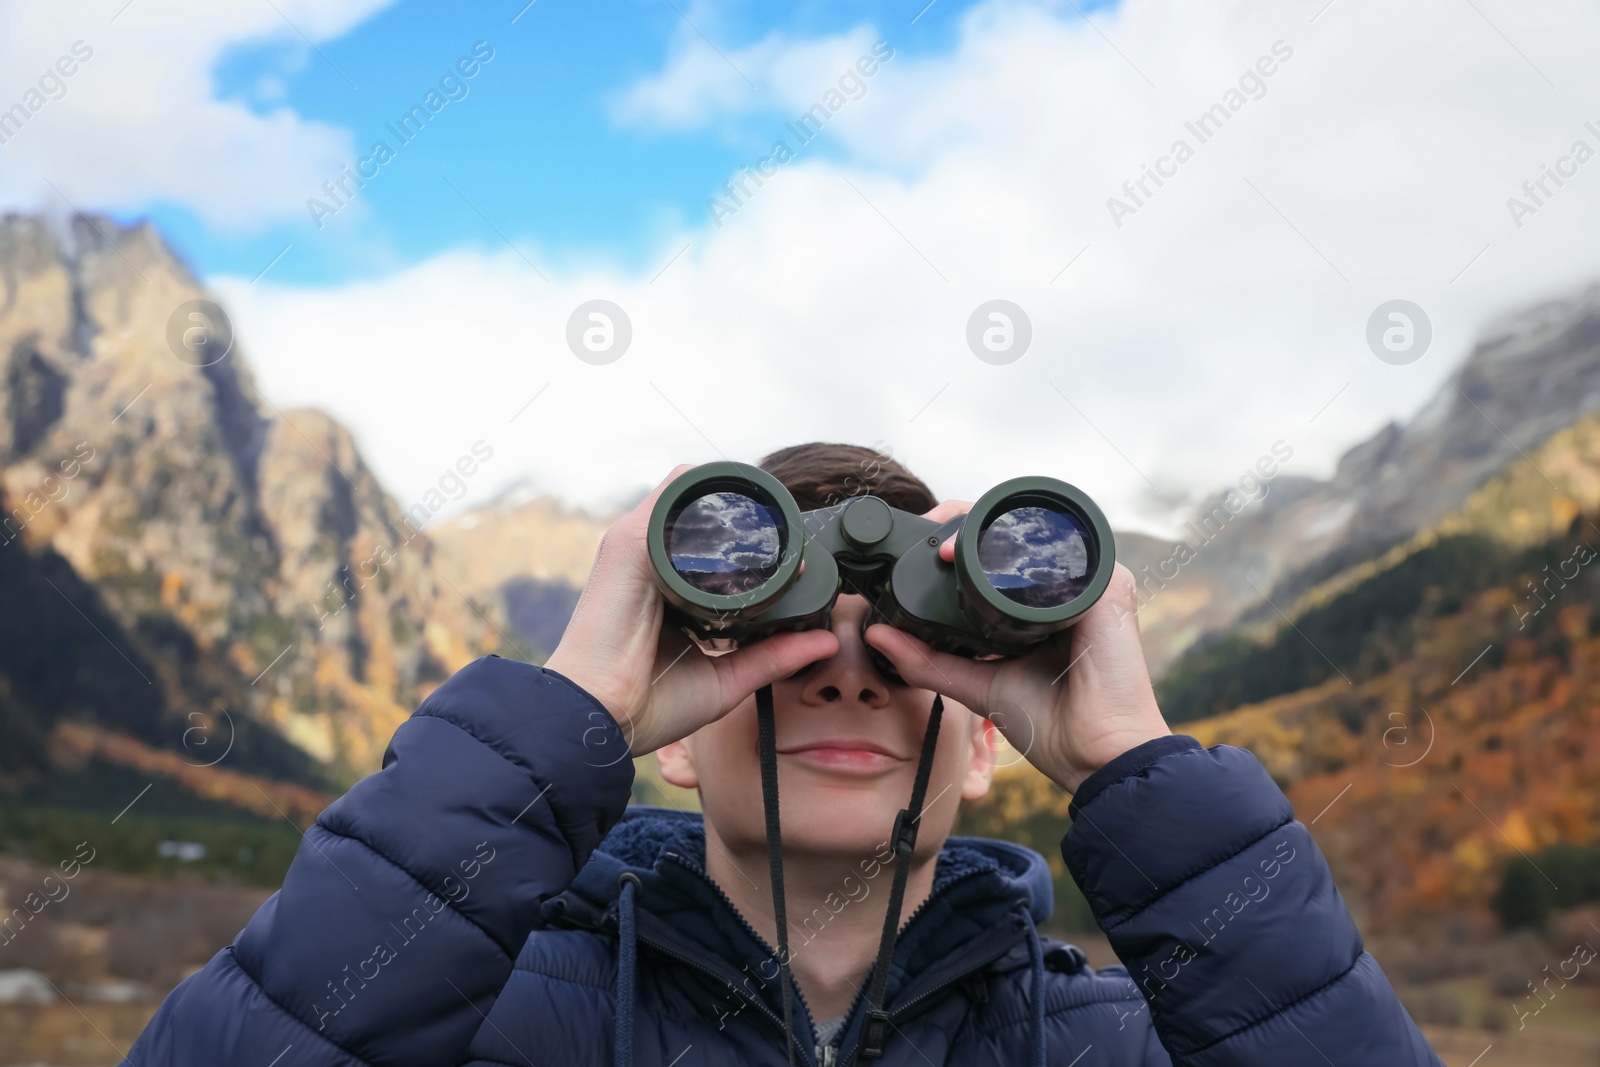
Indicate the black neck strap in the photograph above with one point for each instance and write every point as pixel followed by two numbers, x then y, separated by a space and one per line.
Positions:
pixel 766 733
pixel 904 839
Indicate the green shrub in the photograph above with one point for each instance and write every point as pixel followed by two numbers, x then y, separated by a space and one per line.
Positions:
pixel 250 852
pixel 1562 876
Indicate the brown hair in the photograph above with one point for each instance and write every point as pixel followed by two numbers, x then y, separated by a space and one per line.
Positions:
pixel 822 474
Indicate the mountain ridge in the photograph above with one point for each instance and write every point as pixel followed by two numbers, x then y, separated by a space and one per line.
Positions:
pixel 225 545
pixel 1534 372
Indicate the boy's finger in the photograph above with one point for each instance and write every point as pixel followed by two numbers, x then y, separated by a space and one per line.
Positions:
pixel 649 501
pixel 946 510
pixel 743 672
pixel 963 680
pixel 942 512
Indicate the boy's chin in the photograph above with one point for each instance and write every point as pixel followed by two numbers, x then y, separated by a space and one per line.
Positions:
pixel 831 825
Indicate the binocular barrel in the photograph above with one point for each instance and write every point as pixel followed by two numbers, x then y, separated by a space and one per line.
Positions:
pixel 737 560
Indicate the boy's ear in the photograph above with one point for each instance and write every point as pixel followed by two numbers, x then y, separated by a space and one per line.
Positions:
pixel 677 765
pixel 980 768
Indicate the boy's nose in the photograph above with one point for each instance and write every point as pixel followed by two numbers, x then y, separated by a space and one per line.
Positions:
pixel 849 676
pixel 868 695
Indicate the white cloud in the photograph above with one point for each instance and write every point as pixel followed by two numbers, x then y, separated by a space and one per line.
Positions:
pixel 1220 317
pixel 137 122
pixel 702 84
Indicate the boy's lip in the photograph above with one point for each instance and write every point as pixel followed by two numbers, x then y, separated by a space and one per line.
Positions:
pixel 848 744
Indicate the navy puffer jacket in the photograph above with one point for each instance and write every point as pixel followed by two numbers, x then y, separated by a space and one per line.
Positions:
pixel 470 903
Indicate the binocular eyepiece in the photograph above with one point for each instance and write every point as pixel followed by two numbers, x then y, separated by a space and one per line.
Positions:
pixel 737 560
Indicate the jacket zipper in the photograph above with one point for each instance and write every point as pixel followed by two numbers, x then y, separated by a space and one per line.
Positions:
pixel 832 1055
pixel 830 1051
pixel 767 1012
pixel 807 1054
pixel 901 1010
pixel 866 983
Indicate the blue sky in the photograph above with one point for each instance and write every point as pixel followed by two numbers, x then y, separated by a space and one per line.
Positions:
pixel 533 145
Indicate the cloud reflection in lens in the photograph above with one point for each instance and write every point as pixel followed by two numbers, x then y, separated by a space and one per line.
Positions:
pixel 725 542
pixel 1038 557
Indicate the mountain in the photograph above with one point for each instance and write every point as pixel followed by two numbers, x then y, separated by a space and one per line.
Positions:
pixel 529 554
pixel 1529 376
pixel 1440 703
pixel 184 565
pixel 1433 713
pixel 1542 507
pixel 1427 690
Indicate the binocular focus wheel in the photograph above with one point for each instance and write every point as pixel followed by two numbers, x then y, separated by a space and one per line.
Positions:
pixel 866 521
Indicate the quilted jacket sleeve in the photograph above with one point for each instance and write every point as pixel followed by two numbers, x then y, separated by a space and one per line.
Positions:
pixel 1226 915
pixel 400 917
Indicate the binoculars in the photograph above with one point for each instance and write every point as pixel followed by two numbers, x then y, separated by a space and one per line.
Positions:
pixel 737 560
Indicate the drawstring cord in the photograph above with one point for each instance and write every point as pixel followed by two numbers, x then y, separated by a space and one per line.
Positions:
pixel 1036 954
pixel 626 962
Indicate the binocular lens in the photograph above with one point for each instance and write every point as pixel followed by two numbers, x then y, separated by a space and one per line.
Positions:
pixel 1039 557
pixel 725 542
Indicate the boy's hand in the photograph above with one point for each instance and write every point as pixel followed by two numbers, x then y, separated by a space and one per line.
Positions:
pixel 1067 723
pixel 658 685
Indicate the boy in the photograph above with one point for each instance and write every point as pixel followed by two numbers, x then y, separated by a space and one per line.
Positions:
pixel 488 897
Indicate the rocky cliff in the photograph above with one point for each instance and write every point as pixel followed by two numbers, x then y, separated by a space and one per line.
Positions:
pixel 1531 375
pixel 235 569
pixel 527 554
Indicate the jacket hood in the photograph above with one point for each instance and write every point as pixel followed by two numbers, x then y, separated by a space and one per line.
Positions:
pixel 979 884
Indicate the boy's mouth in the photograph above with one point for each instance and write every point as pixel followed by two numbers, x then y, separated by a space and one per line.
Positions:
pixel 847 755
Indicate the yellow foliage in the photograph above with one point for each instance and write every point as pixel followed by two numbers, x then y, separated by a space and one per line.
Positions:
pixel 1472 854
pixel 73 743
